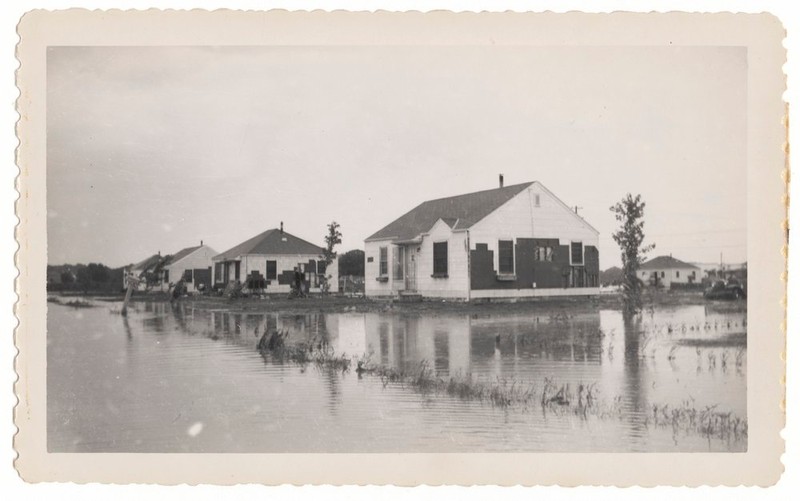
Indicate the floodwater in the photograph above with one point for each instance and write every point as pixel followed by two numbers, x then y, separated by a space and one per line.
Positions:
pixel 180 379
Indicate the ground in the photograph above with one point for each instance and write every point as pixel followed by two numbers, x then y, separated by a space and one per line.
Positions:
pixel 334 303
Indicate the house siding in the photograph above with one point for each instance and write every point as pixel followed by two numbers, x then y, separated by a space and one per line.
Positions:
pixel 285 271
pixel 549 224
pixel 201 259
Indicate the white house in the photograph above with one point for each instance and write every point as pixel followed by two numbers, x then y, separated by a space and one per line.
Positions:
pixel 663 271
pixel 508 242
pixel 141 269
pixel 267 262
pixel 193 264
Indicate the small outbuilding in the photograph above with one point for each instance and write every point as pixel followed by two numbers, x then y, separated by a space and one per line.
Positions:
pixel 267 263
pixel 666 272
pixel 508 242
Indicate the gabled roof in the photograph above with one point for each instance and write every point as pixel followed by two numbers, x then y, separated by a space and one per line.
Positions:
pixel 459 212
pixel 148 263
pixel 271 242
pixel 665 263
pixel 182 254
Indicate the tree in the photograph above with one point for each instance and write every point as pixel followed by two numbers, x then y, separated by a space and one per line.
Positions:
pixel 630 238
pixel 351 263
pixel 332 239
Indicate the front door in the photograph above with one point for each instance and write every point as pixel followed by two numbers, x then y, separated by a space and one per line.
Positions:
pixel 411 269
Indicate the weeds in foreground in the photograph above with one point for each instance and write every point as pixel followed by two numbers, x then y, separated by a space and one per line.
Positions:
pixel 581 400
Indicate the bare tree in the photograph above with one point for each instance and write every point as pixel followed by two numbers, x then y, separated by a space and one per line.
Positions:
pixel 630 238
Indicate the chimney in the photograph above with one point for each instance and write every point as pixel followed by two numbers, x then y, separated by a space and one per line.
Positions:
pixel 281 227
pixel 501 180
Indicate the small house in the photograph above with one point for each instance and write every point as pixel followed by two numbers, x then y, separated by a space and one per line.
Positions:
pixel 666 272
pixel 193 265
pixel 508 242
pixel 267 263
pixel 149 269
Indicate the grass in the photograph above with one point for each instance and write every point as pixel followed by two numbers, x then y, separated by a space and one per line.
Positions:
pixel 736 339
pixel 317 352
pixel 708 421
pixel 75 303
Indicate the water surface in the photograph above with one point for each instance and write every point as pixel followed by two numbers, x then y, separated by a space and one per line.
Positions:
pixel 181 379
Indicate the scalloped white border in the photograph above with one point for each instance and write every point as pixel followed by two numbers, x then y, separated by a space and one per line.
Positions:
pixel 29 409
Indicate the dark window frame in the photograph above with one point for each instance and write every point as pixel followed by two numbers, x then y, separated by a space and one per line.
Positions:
pixel 440 262
pixel 383 261
pixel 572 254
pixel 274 272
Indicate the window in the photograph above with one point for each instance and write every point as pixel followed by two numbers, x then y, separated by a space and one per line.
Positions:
pixel 543 254
pixel 440 259
pixel 187 276
pixel 166 276
pixel 576 252
pixel 236 267
pixel 322 267
pixel 662 274
pixel 677 274
pixel 536 201
pixel 218 272
pixel 505 257
pixel 397 262
pixel 272 270
pixel 384 262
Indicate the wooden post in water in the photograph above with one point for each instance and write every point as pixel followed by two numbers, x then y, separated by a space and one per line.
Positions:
pixel 132 282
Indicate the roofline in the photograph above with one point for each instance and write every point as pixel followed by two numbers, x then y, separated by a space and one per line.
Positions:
pixel 184 257
pixel 575 214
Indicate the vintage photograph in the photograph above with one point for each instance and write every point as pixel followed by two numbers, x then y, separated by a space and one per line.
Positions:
pixel 396 249
pixel 419 248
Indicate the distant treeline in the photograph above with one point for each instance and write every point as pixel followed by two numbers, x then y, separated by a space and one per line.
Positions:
pixel 97 277
pixel 92 277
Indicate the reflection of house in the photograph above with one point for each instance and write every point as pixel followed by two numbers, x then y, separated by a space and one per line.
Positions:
pixel 664 271
pixel 193 264
pixel 267 261
pixel 513 241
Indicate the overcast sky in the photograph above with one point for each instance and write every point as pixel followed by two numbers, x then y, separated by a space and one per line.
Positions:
pixel 153 149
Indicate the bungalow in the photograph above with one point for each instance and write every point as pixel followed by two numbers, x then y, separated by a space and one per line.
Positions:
pixel 267 262
pixel 149 268
pixel 664 271
pixel 509 242
pixel 193 264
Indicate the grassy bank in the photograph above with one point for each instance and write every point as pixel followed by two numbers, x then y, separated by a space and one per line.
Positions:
pixel 340 304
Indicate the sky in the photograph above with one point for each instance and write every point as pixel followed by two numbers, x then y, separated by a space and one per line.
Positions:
pixel 155 148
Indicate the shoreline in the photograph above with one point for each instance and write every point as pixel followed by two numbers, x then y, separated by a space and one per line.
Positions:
pixel 345 304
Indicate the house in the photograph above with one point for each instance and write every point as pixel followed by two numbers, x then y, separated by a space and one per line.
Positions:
pixel 193 264
pixel 666 271
pixel 509 242
pixel 267 262
pixel 150 268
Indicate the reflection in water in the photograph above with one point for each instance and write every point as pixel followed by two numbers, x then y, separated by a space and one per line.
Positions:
pixel 131 383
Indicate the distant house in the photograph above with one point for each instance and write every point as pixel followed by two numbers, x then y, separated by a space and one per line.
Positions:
pixel 193 265
pixel 150 265
pixel 664 271
pixel 268 260
pixel 508 242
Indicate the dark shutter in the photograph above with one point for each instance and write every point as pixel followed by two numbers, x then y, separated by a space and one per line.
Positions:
pixel 440 258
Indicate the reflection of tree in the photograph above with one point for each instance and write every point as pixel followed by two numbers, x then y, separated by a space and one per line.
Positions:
pixel 634 391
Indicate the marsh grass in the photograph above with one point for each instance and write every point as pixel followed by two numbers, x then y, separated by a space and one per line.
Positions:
pixel 75 303
pixel 708 421
pixel 317 352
